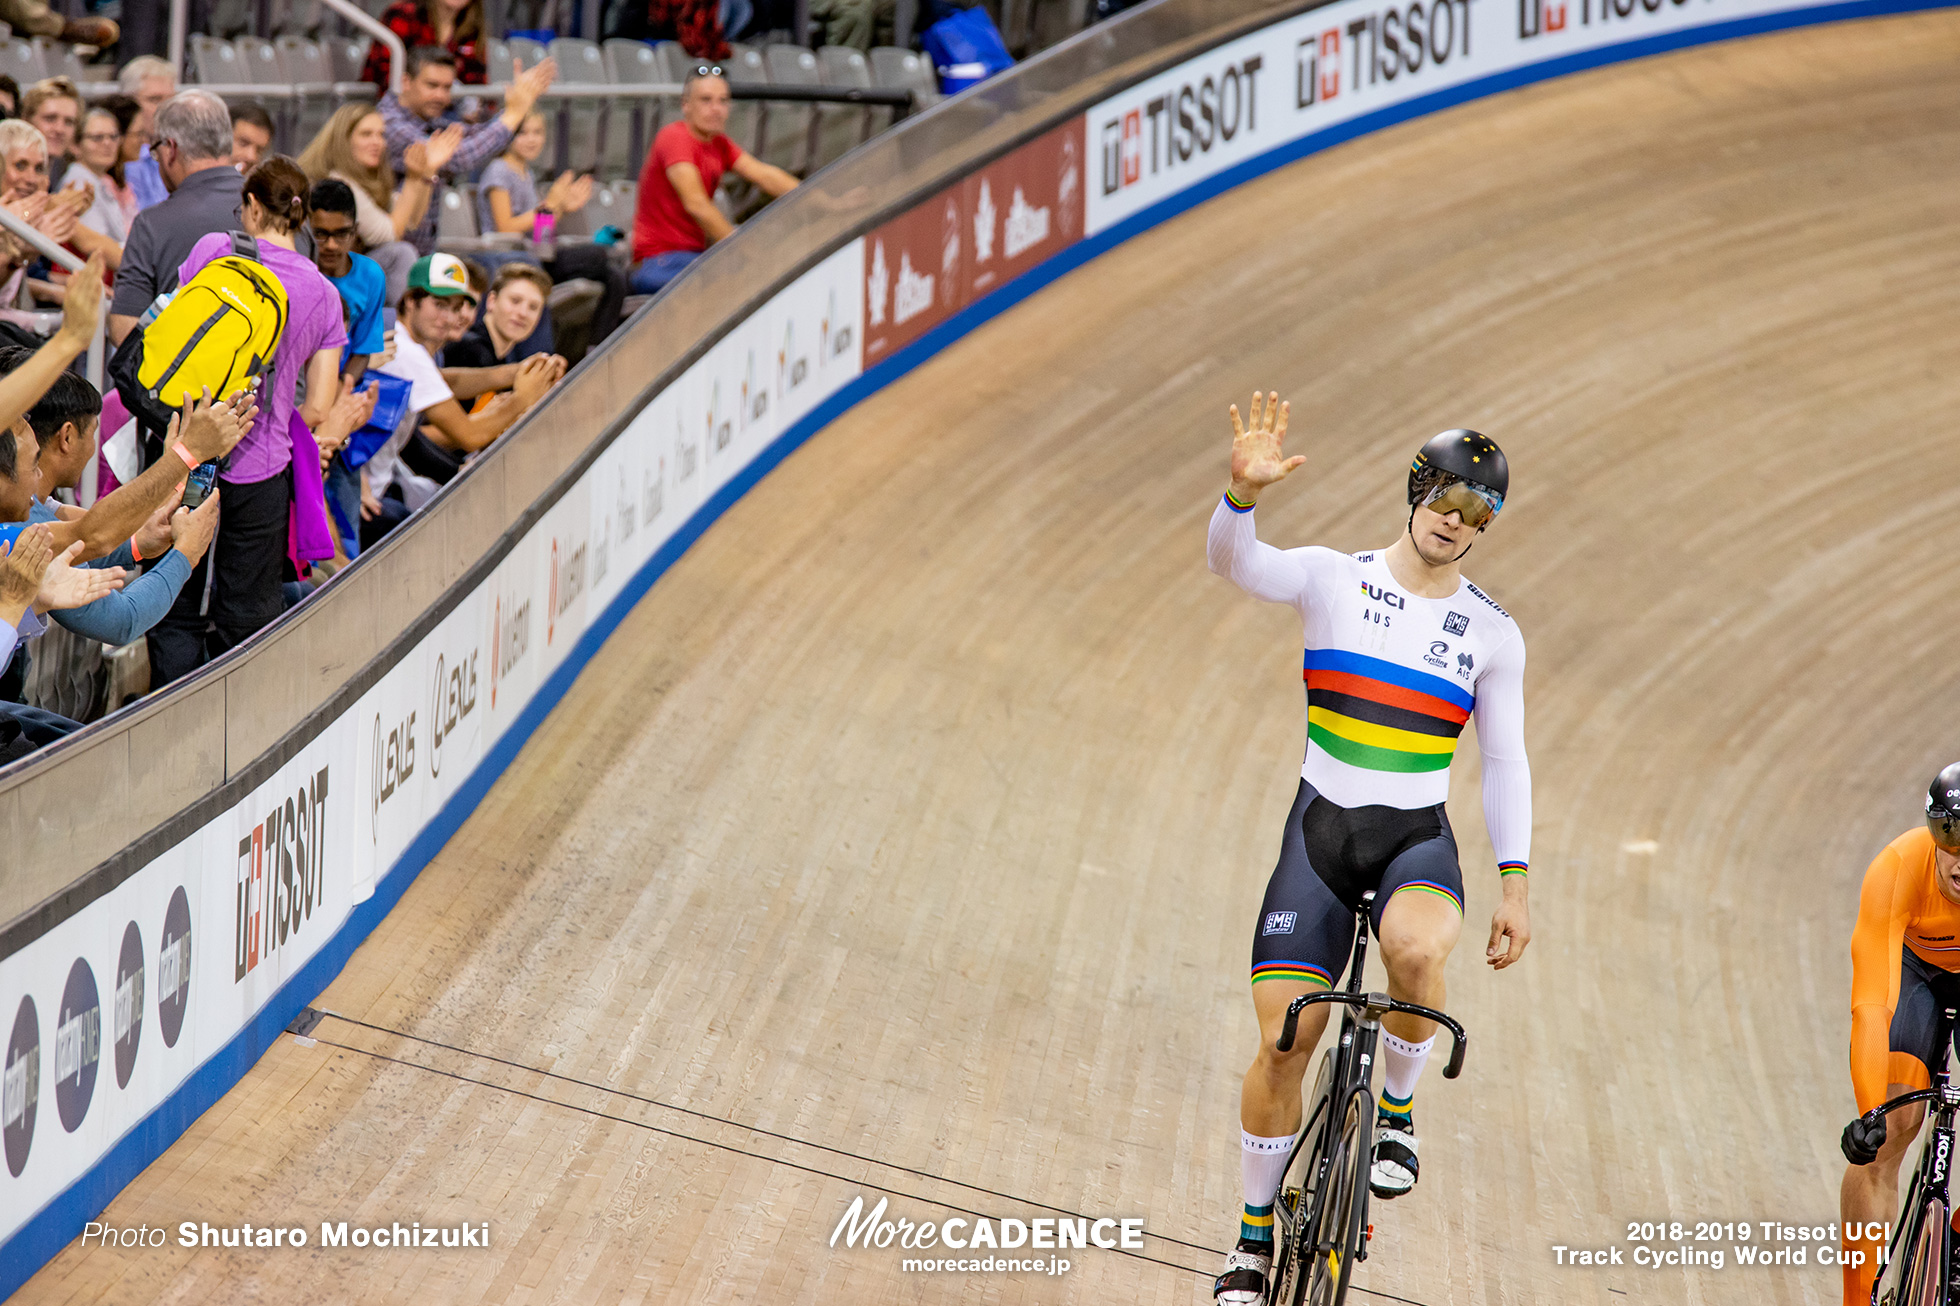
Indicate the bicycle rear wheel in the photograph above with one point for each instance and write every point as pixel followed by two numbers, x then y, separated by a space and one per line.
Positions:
pixel 1341 1212
pixel 1916 1275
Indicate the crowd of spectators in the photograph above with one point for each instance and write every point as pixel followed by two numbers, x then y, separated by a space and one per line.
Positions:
pixel 147 186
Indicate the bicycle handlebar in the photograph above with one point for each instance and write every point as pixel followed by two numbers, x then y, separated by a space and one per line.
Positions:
pixel 1879 1112
pixel 1379 1003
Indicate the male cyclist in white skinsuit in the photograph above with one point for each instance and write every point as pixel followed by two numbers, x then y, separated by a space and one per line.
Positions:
pixel 1401 652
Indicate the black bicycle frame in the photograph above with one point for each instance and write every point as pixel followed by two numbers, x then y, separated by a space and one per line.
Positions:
pixel 1354 1061
pixel 1932 1180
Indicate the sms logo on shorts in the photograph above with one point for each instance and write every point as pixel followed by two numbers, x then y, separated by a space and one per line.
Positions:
pixel 1280 922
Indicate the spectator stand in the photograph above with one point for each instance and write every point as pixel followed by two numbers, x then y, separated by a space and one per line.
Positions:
pixel 286 81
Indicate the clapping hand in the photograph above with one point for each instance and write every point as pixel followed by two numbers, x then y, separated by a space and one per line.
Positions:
pixel 65 585
pixel 536 375
pixel 212 429
pixel 526 84
pixel 1258 448
pixel 81 310
pixel 441 146
pixel 26 563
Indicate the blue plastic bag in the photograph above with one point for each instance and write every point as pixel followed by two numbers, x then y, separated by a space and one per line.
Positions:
pixel 966 49
pixel 390 407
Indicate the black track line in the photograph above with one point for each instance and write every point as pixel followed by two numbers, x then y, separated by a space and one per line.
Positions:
pixel 688 1138
pixel 754 1129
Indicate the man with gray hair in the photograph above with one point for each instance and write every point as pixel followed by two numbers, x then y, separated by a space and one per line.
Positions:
pixel 149 81
pixel 193 151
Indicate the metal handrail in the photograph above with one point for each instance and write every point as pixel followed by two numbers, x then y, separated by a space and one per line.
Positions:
pixel 367 22
pixel 353 13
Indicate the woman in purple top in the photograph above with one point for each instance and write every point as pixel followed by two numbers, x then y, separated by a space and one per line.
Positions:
pixel 249 555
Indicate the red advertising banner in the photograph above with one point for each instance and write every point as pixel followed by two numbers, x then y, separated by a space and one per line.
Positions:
pixel 971 238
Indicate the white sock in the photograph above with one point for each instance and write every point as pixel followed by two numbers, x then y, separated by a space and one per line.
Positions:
pixel 1261 1165
pixel 1402 1064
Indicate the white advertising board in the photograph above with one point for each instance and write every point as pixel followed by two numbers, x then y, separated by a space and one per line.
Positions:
pixel 1341 62
pixel 124 1003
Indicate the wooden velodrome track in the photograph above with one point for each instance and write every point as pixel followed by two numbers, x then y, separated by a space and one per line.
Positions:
pixel 908 838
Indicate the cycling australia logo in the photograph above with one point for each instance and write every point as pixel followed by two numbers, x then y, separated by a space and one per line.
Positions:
pixel 281 875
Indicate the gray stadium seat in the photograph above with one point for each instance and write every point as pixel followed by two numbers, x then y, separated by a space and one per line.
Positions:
pixel 841 127
pixel 347 56
pixel 456 227
pixel 635 63
pixel 584 124
pixel 790 124
pixel 307 63
pixel 215 62
pixel 611 205
pixel 21 61
pixel 60 60
pixel 529 52
pixel 258 65
pixel 496 61
pixel 906 71
pixel 749 122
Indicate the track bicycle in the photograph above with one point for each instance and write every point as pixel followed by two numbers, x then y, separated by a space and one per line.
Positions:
pixel 1919 1263
pixel 1321 1226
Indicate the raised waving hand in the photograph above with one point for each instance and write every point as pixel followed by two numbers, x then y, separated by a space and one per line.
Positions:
pixel 1259 447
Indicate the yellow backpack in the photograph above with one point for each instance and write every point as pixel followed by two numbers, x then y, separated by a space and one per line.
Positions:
pixel 219 331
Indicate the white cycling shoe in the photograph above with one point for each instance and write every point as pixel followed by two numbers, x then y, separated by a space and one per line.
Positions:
pixel 1395 1167
pixel 1246 1271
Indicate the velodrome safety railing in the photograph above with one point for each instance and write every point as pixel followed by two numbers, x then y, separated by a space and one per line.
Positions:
pixel 179 879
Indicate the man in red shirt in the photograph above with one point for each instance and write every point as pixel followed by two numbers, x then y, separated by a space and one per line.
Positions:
pixel 677 218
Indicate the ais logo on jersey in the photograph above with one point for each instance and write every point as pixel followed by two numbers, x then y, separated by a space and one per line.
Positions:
pixel 1456 624
pixel 1384 596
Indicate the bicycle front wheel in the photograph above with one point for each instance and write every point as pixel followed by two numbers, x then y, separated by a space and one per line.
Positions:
pixel 1917 1274
pixel 1341 1211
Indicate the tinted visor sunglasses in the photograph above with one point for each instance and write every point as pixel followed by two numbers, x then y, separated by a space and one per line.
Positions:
pixel 1945 827
pixel 1446 494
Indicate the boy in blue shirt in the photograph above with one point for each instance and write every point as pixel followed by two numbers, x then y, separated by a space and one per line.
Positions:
pixel 363 288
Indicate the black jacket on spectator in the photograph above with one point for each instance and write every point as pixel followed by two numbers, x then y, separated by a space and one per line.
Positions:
pixel 476 350
pixel 161 237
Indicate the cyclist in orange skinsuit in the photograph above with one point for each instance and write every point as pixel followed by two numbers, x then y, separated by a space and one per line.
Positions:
pixel 1905 969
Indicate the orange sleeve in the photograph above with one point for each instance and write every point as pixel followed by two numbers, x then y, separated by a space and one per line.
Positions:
pixel 1883 911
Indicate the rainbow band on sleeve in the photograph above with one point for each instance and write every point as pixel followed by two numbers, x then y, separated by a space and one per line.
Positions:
pixel 1512 868
pixel 1303 972
pixel 1235 505
pixel 1380 716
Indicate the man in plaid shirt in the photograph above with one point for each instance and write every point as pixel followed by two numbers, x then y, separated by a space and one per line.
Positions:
pixel 423 109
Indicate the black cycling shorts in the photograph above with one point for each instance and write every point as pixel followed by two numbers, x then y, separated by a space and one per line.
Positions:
pixel 1925 991
pixel 1330 856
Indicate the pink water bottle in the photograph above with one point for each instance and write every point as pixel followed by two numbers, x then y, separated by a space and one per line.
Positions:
pixel 544 235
